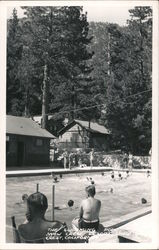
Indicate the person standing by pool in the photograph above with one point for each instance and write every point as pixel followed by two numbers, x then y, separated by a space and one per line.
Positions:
pixel 65 159
pixel 130 163
pixel 125 160
pixel 69 159
pixel 91 157
pixel 89 211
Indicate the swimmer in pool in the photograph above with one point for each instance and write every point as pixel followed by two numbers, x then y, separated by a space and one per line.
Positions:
pixel 70 205
pixel 127 173
pixel 55 179
pixel 91 180
pixel 24 200
pixel 120 176
pixel 112 175
pixel 148 173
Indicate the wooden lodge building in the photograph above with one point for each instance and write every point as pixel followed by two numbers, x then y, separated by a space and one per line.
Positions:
pixel 27 144
pixel 84 134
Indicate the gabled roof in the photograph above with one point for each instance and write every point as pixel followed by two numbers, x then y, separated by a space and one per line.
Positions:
pixel 25 126
pixel 94 127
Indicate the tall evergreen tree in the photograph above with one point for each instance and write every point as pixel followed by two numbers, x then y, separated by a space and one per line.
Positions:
pixel 59 40
pixel 14 53
pixel 101 65
pixel 130 53
pixel 76 84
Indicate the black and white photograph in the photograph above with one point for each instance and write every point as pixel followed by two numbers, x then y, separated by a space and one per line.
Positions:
pixel 79 143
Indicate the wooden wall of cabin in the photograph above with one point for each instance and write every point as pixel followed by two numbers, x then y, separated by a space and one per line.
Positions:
pixel 11 150
pixel 72 138
pixel 37 151
pixel 27 150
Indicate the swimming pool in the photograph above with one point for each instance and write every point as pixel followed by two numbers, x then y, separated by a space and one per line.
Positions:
pixel 125 198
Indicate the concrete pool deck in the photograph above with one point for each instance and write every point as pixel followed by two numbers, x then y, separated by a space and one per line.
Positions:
pixel 132 227
pixel 139 230
pixel 55 171
pixel 122 220
pixel 48 171
pixel 136 229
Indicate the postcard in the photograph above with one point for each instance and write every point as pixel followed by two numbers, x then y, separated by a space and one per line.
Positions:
pixel 79 125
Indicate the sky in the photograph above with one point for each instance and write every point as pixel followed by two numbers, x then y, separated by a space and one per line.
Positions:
pixel 97 12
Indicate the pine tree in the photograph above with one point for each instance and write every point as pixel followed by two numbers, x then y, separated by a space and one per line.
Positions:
pixel 101 65
pixel 14 53
pixel 75 87
pixel 39 25
pixel 130 53
pixel 59 41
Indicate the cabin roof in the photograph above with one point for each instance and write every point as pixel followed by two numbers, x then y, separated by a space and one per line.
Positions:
pixel 94 127
pixel 25 126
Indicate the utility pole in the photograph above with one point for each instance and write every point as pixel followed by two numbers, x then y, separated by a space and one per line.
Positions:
pixel 45 91
pixel 45 100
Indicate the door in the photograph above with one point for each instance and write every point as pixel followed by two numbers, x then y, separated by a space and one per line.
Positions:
pixel 20 153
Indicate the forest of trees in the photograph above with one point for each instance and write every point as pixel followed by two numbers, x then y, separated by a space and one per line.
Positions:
pixel 61 65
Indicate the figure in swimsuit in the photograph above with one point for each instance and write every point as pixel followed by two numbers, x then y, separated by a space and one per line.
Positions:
pixel 89 210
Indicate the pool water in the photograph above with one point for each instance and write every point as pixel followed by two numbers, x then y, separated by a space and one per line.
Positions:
pixel 125 198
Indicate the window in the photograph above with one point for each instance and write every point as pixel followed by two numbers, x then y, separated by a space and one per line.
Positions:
pixel 39 142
